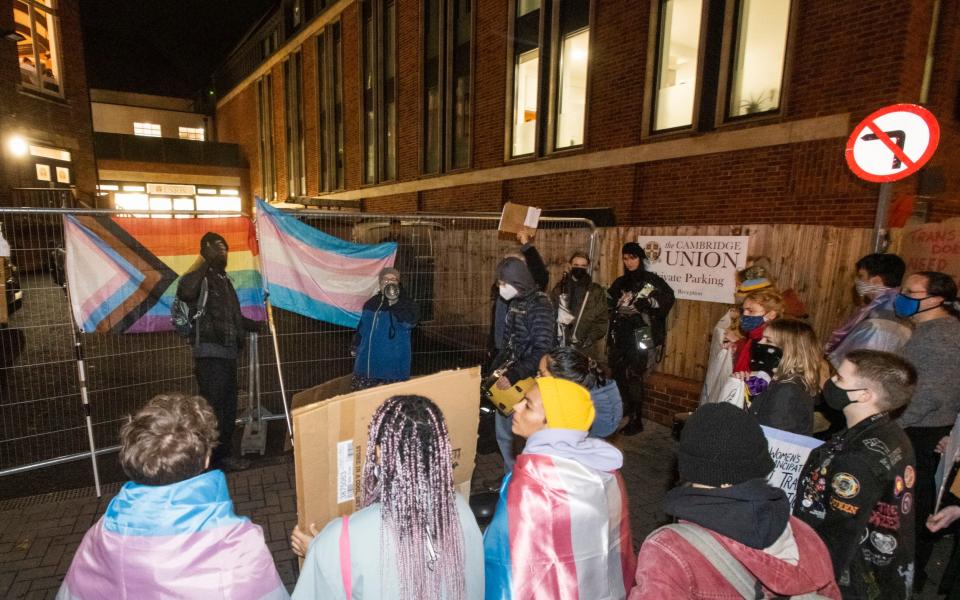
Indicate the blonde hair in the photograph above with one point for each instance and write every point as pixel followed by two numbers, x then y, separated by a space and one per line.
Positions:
pixel 802 361
pixel 769 298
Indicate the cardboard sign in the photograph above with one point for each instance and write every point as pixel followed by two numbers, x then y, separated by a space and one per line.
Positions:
pixel 697 267
pixel 932 247
pixel 789 452
pixel 330 437
pixel 516 217
pixel 947 460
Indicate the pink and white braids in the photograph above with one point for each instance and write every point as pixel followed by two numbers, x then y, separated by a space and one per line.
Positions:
pixel 413 481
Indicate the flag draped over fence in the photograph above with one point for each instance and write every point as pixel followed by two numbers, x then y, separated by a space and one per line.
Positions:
pixel 314 274
pixel 122 271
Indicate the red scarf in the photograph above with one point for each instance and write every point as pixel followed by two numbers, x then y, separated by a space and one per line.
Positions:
pixel 741 361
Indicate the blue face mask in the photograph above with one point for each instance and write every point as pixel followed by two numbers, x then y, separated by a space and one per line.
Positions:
pixel 905 306
pixel 749 322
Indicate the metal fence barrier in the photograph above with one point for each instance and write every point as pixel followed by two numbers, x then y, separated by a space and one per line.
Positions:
pixel 447 264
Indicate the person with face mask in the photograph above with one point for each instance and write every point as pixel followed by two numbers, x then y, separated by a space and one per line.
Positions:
pixel 874 326
pixel 382 343
pixel 221 331
pixel 529 333
pixel 929 300
pixel 789 354
pixel 858 490
pixel 759 308
pixel 582 316
pixel 639 302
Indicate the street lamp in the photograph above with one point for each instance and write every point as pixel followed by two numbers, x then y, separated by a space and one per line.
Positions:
pixel 17 146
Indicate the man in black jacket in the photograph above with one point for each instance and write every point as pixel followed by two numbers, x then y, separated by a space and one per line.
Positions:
pixel 858 490
pixel 528 334
pixel 218 337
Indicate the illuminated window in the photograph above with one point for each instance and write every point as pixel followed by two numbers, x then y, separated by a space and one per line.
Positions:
pixel 52 153
pixel 39 52
pixel 161 203
pixel 525 102
pixel 760 55
pixel 218 203
pixel 678 57
pixel 146 129
pixel 183 203
pixel 191 133
pixel 132 202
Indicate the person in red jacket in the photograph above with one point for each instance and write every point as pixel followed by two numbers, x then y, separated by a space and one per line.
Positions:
pixel 735 538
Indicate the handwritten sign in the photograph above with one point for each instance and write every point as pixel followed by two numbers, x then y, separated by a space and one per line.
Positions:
pixel 789 452
pixel 932 247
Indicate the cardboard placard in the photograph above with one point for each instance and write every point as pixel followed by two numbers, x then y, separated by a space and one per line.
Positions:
pixel 932 247
pixel 516 217
pixel 789 452
pixel 330 437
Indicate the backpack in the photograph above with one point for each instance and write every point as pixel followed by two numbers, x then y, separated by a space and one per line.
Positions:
pixel 184 319
pixel 729 567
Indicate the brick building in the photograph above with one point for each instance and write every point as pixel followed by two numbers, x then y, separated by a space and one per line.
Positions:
pixel 669 112
pixel 44 102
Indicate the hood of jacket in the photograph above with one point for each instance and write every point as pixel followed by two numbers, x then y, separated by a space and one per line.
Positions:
pixel 515 272
pixel 575 445
pixel 752 513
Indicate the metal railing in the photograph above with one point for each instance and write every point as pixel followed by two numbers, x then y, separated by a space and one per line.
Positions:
pixel 447 263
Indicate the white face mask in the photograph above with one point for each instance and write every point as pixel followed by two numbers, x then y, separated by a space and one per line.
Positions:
pixel 508 292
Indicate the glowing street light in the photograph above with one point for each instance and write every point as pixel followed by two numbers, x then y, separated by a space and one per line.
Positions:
pixel 17 146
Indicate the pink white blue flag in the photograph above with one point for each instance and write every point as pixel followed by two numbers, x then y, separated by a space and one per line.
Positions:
pixel 315 274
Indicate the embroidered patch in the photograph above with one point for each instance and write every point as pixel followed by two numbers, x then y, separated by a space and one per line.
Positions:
pixel 909 476
pixel 876 558
pixel 884 542
pixel 906 505
pixel 885 516
pixel 898 486
pixel 877 445
pixel 845 485
pixel 850 509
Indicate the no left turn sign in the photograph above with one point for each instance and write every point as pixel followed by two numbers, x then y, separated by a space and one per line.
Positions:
pixel 892 143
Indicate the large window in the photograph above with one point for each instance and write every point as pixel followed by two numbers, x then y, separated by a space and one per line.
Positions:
pixel 447 84
pixel 330 115
pixel 38 53
pixel 147 129
pixel 265 134
pixel 718 60
pixel 293 93
pixel 379 90
pixel 550 67
pixel 191 133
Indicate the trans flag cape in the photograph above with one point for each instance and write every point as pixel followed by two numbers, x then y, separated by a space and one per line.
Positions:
pixel 314 274
pixel 173 541
pixel 122 272
pixel 561 531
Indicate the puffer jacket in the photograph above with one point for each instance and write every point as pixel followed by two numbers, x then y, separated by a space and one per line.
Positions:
pixel 529 334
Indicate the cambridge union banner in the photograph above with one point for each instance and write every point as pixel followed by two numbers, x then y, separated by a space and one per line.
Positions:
pixel 697 267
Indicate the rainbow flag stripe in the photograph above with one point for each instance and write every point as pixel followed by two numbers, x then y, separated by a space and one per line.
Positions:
pixel 122 272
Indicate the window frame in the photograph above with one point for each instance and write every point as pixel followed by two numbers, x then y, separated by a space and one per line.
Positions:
pixel 267 148
pixel 548 79
pixel 52 9
pixel 381 139
pixel 446 97
pixel 192 132
pixel 293 107
pixel 716 56
pixel 140 127
pixel 329 91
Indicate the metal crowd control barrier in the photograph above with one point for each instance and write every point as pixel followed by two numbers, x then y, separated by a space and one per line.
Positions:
pixel 447 263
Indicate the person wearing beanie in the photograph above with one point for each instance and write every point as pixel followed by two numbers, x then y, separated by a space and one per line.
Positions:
pixel 563 483
pixel 382 344
pixel 528 334
pixel 860 490
pixel 217 338
pixel 735 537
pixel 639 302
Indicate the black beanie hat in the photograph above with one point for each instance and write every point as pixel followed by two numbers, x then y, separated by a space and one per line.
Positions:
pixel 722 444
pixel 633 249
pixel 209 238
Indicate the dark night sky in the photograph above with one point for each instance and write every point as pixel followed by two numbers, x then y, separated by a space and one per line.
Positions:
pixel 167 47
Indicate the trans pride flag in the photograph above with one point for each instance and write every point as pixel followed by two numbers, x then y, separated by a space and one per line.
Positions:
pixel 561 530
pixel 173 541
pixel 122 272
pixel 314 274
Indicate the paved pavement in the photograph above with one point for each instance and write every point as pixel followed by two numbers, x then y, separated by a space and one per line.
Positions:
pixel 39 534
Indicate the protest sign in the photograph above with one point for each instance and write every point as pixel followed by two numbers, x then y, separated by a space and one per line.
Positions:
pixel 789 452
pixel 947 459
pixel 697 267
pixel 932 247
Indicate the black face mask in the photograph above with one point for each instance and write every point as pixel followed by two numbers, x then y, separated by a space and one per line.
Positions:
pixel 836 397
pixel 579 273
pixel 764 357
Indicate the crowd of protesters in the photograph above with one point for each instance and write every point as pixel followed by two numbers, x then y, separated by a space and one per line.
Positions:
pixel 881 393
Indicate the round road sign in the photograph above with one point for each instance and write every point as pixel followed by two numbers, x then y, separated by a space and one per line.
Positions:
pixel 892 143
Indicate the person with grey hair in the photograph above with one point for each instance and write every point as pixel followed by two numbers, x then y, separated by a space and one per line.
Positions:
pixel 382 343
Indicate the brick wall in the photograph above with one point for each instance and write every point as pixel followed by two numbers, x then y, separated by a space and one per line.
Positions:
pixel 60 122
pixel 668 395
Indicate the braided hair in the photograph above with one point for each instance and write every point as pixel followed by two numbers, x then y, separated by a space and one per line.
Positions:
pixel 413 482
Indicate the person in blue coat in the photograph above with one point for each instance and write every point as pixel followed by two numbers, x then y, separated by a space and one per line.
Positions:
pixel 382 342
